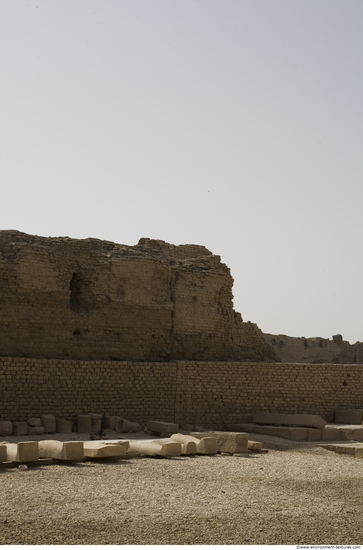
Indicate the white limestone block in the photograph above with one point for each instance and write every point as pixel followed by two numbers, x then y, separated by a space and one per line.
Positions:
pixel 254 445
pixel 95 449
pixel 151 448
pixel 189 444
pixel 227 442
pixel 61 450
pixel 170 448
pixel 25 451
pixel 3 452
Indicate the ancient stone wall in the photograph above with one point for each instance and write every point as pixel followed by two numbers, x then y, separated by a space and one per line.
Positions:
pixel 90 299
pixel 209 393
pixel 315 350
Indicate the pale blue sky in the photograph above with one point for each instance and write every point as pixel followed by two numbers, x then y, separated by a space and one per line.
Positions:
pixel 235 124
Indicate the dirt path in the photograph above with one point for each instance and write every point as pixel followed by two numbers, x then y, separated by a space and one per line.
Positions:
pixel 299 494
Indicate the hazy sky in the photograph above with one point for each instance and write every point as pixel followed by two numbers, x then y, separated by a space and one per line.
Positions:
pixel 235 124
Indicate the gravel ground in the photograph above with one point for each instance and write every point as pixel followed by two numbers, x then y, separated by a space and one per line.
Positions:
pixel 295 494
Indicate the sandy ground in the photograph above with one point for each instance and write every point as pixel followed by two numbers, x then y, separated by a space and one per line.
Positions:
pixel 295 494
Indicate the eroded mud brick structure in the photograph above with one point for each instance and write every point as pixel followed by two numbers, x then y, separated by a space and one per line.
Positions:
pixel 96 300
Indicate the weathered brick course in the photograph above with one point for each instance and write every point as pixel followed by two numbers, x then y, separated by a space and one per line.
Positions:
pixel 212 394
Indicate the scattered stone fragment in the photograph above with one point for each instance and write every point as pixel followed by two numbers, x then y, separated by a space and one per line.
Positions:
pixel 254 445
pixel 345 448
pixel 22 468
pixel 96 422
pixel 3 452
pixel 109 422
pixel 34 422
pixel 64 426
pixel 239 455
pixel 348 416
pixel 84 423
pixel 20 428
pixel 67 450
pixel 330 433
pixel 36 430
pixel 101 450
pixel 205 445
pixel 277 419
pixel 149 448
pixel 6 427
pixel 124 442
pixel 158 427
pixel 314 434
pixel 228 442
pixel 125 426
pixel 25 451
pixel 48 423
pixel 189 445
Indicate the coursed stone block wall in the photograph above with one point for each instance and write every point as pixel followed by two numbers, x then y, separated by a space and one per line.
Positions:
pixel 212 394
pixel 66 388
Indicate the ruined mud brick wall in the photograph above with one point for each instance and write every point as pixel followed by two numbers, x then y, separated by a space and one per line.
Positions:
pixel 90 299
pixel 212 394
pixel 289 349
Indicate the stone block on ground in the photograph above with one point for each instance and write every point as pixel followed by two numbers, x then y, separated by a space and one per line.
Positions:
pixel 189 444
pixel 295 434
pixel 96 422
pixel 159 427
pixel 25 451
pixel 227 442
pixel 6 427
pixel 34 422
pixel 204 446
pixel 300 420
pixel 170 447
pixel 96 425
pixel 123 442
pixel 330 433
pixel 61 450
pixel 84 423
pixel 267 418
pixel 304 420
pixel 20 428
pixel 48 423
pixel 110 422
pixel 345 448
pixel 150 448
pixel 314 434
pixel 35 430
pixel 95 449
pixel 126 426
pixel 351 433
pixel 3 452
pixel 254 445
pixel 348 416
pixel 64 426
